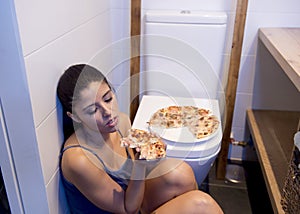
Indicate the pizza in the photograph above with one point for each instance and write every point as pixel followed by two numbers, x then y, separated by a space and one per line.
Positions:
pixel 167 117
pixel 149 145
pixel 200 122
pixel 203 126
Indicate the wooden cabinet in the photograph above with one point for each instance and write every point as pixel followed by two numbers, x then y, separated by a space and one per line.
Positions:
pixel 273 130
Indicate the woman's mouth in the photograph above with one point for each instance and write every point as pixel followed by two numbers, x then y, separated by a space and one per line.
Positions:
pixel 112 122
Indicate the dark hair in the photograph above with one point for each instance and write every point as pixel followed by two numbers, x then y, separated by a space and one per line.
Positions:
pixel 71 83
pixel 74 80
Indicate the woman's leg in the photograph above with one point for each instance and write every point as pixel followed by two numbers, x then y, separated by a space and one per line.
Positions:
pixel 169 180
pixel 195 202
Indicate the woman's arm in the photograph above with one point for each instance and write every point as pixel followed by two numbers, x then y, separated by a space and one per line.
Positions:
pixel 92 181
pixel 135 192
pixel 99 188
pixel 136 188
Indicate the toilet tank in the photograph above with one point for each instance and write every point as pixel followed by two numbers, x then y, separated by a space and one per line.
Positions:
pixel 182 53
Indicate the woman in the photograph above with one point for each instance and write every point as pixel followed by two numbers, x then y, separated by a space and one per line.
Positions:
pixel 99 175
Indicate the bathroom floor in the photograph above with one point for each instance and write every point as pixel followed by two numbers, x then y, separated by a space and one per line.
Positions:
pixel 243 191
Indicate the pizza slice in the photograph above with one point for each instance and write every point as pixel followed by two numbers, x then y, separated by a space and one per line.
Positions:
pixel 152 151
pixel 159 118
pixel 169 117
pixel 192 112
pixel 149 145
pixel 203 126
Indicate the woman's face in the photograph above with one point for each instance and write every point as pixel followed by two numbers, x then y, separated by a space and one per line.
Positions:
pixel 97 108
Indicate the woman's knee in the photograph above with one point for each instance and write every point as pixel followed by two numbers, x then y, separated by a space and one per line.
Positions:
pixel 204 202
pixel 191 202
pixel 181 176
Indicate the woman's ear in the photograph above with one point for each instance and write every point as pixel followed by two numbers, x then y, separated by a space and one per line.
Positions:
pixel 73 117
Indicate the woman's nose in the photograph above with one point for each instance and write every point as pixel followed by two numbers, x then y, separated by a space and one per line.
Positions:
pixel 106 111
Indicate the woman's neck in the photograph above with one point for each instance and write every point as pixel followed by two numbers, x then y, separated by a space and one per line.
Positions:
pixel 94 138
pixel 107 146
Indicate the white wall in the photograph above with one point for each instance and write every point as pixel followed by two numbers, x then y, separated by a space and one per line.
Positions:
pixel 120 73
pixel 55 34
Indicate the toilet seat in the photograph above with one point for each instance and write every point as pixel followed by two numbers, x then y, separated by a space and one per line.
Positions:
pixel 150 104
pixel 196 150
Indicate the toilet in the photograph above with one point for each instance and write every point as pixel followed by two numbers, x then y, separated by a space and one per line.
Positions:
pixel 181 64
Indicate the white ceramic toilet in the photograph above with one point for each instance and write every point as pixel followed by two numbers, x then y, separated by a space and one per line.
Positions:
pixel 182 54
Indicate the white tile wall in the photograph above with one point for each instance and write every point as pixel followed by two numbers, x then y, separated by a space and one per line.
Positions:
pixel 256 20
pixel 246 67
pixel 117 4
pixel 271 6
pixel 120 23
pixel 243 101
pixel 49 136
pixel 45 65
pixel 120 73
pixel 41 22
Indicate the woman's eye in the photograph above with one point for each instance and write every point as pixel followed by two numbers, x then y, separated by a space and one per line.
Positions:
pixel 92 111
pixel 107 100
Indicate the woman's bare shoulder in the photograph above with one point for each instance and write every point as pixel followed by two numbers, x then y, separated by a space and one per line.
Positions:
pixel 76 159
pixel 78 163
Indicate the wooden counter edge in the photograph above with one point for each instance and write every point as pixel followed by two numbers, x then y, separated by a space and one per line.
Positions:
pixel 272 187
